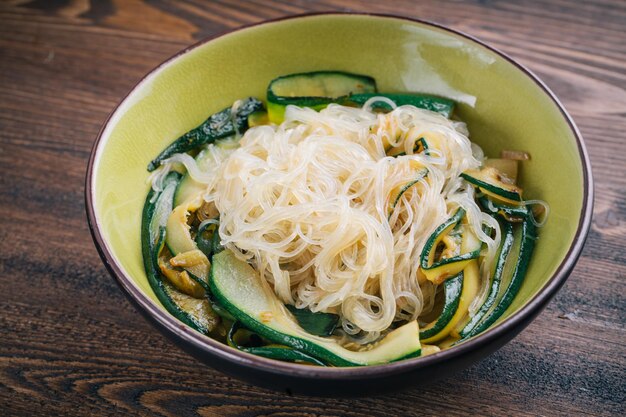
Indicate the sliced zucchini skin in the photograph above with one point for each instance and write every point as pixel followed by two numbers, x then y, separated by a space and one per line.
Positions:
pixel 446 266
pixel 506 193
pixel 216 242
pixel 204 243
pixel 528 238
pixel 440 105
pixel 510 213
pixel 496 280
pixel 277 101
pixel 217 126
pixel 452 287
pixel 470 283
pixel 228 271
pixel 152 241
pixel 278 352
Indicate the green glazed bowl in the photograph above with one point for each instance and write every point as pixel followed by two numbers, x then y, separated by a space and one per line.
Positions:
pixel 504 105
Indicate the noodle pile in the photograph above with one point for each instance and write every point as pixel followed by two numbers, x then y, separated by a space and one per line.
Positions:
pixel 311 204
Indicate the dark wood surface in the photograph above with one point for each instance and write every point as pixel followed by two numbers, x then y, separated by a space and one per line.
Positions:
pixel 71 344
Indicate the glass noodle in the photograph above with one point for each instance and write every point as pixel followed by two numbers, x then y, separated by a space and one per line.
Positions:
pixel 307 203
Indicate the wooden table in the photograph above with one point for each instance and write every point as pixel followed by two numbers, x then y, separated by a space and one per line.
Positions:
pixel 71 344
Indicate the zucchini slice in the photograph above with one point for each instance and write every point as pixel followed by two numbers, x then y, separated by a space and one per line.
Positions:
pixel 179 240
pixel 470 281
pixel 204 238
pixel 514 271
pixel 494 184
pixel 452 289
pixel 313 89
pixel 196 313
pixel 238 288
pixel 511 213
pixel 438 271
pixel 219 125
pixel 181 280
pixel 496 280
pixel 278 352
pixel 216 243
pixel 440 105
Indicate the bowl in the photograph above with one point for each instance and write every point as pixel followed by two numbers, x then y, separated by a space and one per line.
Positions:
pixel 504 105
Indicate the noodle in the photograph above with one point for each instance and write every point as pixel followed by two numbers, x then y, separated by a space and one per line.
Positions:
pixel 308 204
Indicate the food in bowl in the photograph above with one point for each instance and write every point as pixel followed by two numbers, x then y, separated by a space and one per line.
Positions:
pixel 336 225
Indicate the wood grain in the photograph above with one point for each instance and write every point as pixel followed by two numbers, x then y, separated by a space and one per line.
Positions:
pixel 70 343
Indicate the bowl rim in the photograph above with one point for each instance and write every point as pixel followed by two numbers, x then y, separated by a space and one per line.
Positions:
pixel 222 351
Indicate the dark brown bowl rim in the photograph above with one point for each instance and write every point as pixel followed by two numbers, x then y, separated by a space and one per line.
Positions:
pixel 213 347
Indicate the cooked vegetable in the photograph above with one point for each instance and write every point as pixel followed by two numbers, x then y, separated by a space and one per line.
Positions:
pixel 453 288
pixel 280 352
pixel 438 271
pixel 216 245
pixel 494 184
pixel 179 240
pixel 318 324
pixel 440 105
pixel 196 313
pixel 204 237
pixel 471 284
pixel 496 280
pixel 181 280
pixel 509 212
pixel 313 89
pixel 515 269
pixel 230 121
pixel 239 289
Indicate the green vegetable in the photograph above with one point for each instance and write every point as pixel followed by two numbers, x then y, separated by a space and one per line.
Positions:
pixel 239 289
pixel 313 89
pixel 510 213
pixel 490 181
pixel 216 245
pixel 204 238
pixel 496 280
pixel 196 313
pixel 515 268
pixel 440 105
pixel 278 352
pixel 179 240
pixel 319 324
pixel 217 126
pixel 452 288
pixel 436 271
pixel 470 282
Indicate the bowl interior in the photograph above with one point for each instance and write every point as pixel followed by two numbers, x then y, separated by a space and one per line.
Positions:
pixel 503 107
